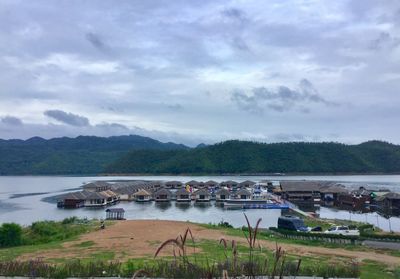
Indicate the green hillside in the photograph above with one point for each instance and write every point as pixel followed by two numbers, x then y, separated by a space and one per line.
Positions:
pixel 251 157
pixel 81 155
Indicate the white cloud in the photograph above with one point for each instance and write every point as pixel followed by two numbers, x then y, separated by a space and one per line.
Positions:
pixel 170 68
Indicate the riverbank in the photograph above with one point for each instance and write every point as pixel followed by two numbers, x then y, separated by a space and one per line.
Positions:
pixel 136 242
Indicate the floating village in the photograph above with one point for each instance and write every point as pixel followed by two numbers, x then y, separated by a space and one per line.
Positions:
pixel 294 195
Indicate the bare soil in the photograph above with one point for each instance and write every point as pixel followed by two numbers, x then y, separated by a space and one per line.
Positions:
pixel 141 238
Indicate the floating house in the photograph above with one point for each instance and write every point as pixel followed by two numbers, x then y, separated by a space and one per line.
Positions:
pixel 242 194
pixel 222 194
pixel 96 199
pixel 356 199
pixel 229 184
pixel 173 184
pixel 142 196
pixel 247 184
pixel 202 195
pixel 301 191
pixel 111 196
pixel 126 193
pixel 115 214
pixel 193 183
pixel 162 195
pixel 211 184
pixel 331 193
pixel 153 185
pixel 97 186
pixel 182 195
pixel 72 200
pixel 389 201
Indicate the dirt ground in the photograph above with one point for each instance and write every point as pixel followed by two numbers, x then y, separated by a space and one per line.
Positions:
pixel 141 238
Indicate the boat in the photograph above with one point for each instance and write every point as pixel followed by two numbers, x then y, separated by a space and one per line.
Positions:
pixel 256 206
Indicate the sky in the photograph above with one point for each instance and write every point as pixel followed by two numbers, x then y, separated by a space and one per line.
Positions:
pixel 201 71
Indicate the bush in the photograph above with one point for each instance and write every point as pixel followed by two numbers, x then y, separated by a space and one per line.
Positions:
pixel 10 235
pixel 70 220
pixel 224 225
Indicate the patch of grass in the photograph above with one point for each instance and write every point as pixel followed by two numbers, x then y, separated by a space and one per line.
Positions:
pixel 373 270
pixel 154 242
pixel 395 253
pixel 102 256
pixel 8 254
pixel 84 244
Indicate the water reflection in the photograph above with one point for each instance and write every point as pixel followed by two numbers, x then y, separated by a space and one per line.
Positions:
pixel 163 206
pixel 184 206
pixel 202 205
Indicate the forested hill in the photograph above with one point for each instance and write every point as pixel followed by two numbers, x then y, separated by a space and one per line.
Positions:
pixel 142 155
pixel 250 157
pixel 81 155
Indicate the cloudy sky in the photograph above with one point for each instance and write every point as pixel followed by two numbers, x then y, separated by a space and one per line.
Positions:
pixel 201 71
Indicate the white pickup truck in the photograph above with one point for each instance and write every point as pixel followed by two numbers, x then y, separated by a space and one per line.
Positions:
pixel 343 230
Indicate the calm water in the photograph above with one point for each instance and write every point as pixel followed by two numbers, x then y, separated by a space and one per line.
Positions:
pixel 21 200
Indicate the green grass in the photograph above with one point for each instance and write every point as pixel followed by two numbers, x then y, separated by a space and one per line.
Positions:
pixel 210 251
pixel 374 270
pixel 85 244
pixel 8 254
pixel 102 256
pixel 47 235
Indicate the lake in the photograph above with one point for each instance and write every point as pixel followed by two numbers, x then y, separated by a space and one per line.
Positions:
pixel 21 200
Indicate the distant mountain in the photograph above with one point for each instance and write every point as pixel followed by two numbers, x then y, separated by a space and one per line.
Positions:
pixel 142 155
pixel 250 157
pixel 81 155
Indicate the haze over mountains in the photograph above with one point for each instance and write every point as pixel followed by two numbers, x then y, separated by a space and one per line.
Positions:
pixel 142 155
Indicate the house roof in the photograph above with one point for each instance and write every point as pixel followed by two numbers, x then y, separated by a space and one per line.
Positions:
pixel 142 192
pixel 126 190
pixel 163 191
pixel 110 193
pixel 362 192
pixel 392 196
pixel 202 192
pixel 243 192
pixel 182 191
pixel 174 182
pixel 96 196
pixel 96 184
pixel 74 196
pixel 301 186
pixel 222 191
pixel 247 182
pixel 335 189
pixel 229 182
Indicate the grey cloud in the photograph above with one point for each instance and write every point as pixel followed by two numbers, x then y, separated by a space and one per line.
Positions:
pixel 281 99
pixel 384 40
pixel 240 44
pixel 175 107
pixel 11 121
pixel 112 126
pixel 95 40
pixel 235 14
pixel 67 118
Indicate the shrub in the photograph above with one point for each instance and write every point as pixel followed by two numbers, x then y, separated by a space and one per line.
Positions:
pixel 224 225
pixel 10 235
pixel 70 220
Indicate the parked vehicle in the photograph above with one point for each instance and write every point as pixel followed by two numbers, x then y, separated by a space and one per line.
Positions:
pixel 342 230
pixel 316 229
pixel 292 223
